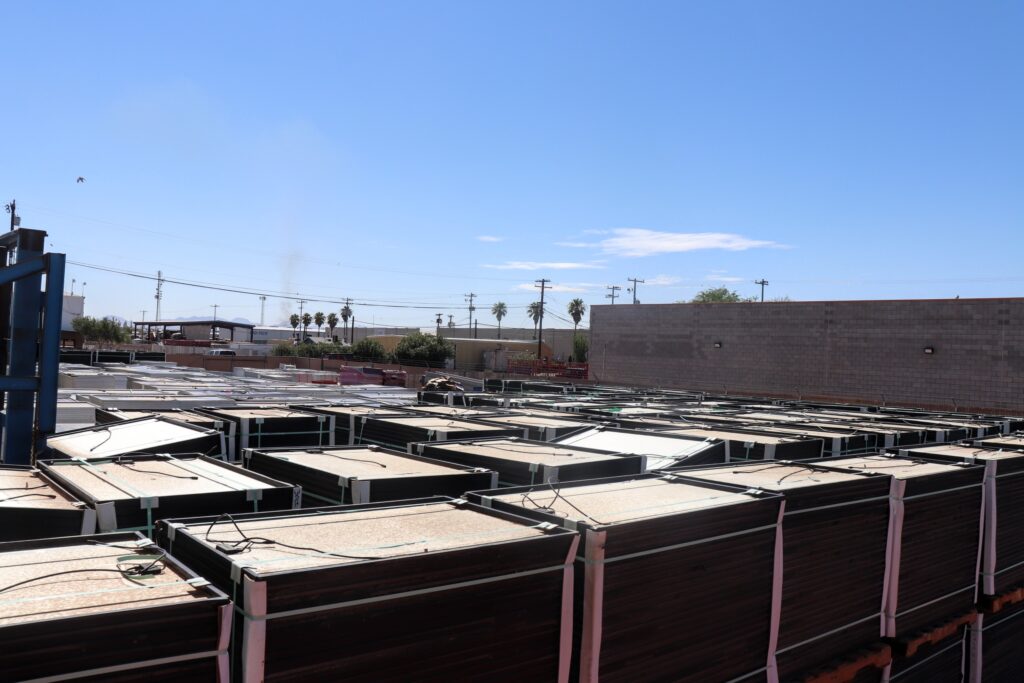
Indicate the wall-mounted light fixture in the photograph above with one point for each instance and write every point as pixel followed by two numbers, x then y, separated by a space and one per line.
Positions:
pixel 718 345
pixel 929 350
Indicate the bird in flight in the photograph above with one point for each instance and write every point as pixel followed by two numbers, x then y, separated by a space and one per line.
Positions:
pixel 80 179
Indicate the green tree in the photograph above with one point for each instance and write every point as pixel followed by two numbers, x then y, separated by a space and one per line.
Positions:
pixel 307 320
pixel 369 349
pixel 318 320
pixel 294 320
pixel 332 322
pixel 346 313
pixel 423 348
pixel 535 311
pixel 283 349
pixel 577 309
pixel 103 330
pixel 499 311
pixel 580 347
pixel 720 295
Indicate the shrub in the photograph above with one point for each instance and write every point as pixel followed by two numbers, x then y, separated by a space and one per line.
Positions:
pixel 419 347
pixel 368 349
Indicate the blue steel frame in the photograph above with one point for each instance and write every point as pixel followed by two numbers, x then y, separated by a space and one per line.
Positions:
pixel 32 316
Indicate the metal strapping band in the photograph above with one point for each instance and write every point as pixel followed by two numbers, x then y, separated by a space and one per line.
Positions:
pixel 125 667
pixel 938 599
pixel 937 493
pixel 839 505
pixel 404 594
pixel 676 546
pixel 827 633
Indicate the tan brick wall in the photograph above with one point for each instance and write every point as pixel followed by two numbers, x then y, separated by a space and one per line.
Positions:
pixel 858 351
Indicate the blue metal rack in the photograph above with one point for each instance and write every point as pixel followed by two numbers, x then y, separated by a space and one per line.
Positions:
pixel 30 321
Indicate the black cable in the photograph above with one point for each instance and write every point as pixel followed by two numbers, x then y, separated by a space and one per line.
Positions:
pixel 109 434
pixel 135 570
pixel 27 495
pixel 131 467
pixel 249 541
pixel 341 457
pixel 24 488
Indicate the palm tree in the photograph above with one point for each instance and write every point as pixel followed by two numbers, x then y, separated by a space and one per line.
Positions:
pixel 346 313
pixel 499 311
pixel 332 322
pixel 294 320
pixel 535 311
pixel 577 309
pixel 318 320
pixel 307 320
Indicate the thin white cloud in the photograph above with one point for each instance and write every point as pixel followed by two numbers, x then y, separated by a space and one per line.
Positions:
pixel 641 242
pixel 571 288
pixel 542 265
pixel 577 245
pixel 490 238
pixel 716 277
pixel 662 280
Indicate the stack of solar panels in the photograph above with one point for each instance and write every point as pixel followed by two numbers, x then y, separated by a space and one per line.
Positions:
pixel 941 662
pixel 366 474
pixel 425 590
pixel 934 545
pixel 33 506
pixel 1002 559
pixel 273 427
pixel 663 451
pixel 740 446
pixel 346 419
pixel 109 608
pixel 539 427
pixel 1009 442
pixel 522 462
pixel 72 414
pixel 835 536
pixel 677 580
pixel 142 435
pixel 996 655
pixel 88 378
pixel 398 432
pixel 129 493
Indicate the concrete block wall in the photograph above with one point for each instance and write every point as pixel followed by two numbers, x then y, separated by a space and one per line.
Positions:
pixel 857 351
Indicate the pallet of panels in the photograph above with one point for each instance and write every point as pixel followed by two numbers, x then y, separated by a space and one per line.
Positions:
pixel 197 419
pixel 400 431
pixel 366 474
pixel 142 435
pixel 677 579
pixel 346 418
pixel 835 544
pixel 111 608
pixel 837 441
pixel 1002 557
pixel 1008 442
pixel 521 462
pixel 34 506
pixel 274 427
pixel 994 642
pixel 132 492
pixel 741 446
pixel 422 590
pixel 454 411
pixel 661 450
pixel 935 545
pixel 539 427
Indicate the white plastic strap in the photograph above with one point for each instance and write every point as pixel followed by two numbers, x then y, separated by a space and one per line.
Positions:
pixel 593 606
pixel 987 537
pixel 771 670
pixel 893 546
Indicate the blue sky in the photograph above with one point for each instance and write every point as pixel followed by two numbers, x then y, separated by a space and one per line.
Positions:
pixel 407 153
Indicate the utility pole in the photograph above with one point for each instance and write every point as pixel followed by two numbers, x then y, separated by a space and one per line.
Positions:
pixel 302 302
pixel 263 303
pixel 159 291
pixel 144 315
pixel 214 307
pixel 633 288
pixel 213 328
pixel 469 298
pixel 542 283
pixel 451 322
pixel 614 293
pixel 12 209
pixel 761 282
pixel 440 319
pixel 73 286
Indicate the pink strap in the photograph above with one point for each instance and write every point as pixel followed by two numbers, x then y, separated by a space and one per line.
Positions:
pixel 987 545
pixel 565 633
pixel 894 543
pixel 593 603
pixel 776 614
